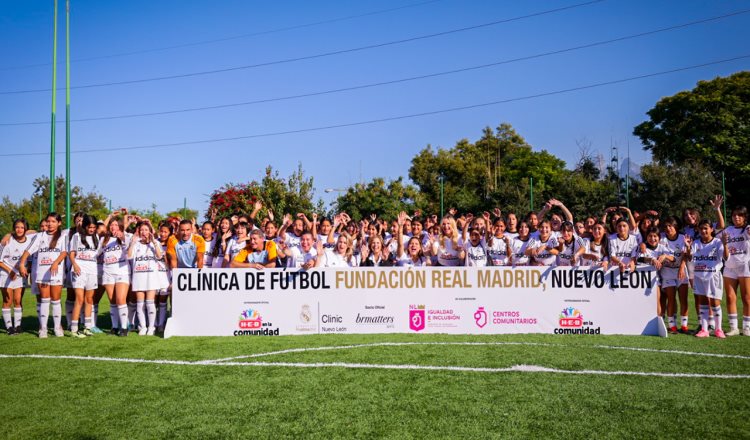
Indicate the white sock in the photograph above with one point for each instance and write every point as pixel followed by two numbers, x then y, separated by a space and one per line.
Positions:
pixel 704 318
pixel 141 310
pixel 684 321
pixel 123 312
pixel 7 319
pixel 56 313
pixel 672 321
pixel 151 311
pixel 114 315
pixel 162 315
pixel 69 312
pixel 74 326
pixel 131 314
pixel 88 322
pixel 717 317
pixel 44 313
pixel 18 316
pixel 94 314
pixel 732 321
pixel 745 321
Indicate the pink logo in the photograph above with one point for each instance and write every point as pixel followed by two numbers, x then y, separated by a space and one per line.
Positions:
pixel 480 317
pixel 416 319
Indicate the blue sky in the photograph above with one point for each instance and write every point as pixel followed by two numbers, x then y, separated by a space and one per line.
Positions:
pixel 148 31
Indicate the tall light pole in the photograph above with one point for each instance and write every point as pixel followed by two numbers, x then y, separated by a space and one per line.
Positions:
pixel 67 113
pixel 442 187
pixel 54 106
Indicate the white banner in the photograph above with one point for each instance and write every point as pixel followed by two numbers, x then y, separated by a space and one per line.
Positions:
pixel 462 300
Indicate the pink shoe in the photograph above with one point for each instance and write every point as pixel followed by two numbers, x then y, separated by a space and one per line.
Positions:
pixel 719 333
pixel 702 334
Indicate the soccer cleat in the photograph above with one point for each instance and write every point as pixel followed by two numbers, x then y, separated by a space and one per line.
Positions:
pixel 11 331
pixel 673 330
pixel 96 330
pixel 733 332
pixel 123 332
pixel 43 333
pixel 114 331
pixel 719 333
pixel 684 330
pixel 19 330
pixel 702 334
pixel 151 331
pixel 142 331
pixel 87 332
pixel 78 334
pixel 59 332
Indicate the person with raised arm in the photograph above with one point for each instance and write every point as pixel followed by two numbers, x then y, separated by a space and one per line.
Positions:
pixel 83 253
pixel 413 254
pixel 145 251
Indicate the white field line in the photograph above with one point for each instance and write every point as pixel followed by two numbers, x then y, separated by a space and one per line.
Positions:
pixel 513 369
pixel 537 344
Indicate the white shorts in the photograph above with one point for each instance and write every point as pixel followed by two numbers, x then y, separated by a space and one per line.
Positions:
pixel 673 282
pixel 712 286
pixel 7 283
pixel 85 281
pixel 145 281
pixel 115 278
pixel 735 273
pixel 44 276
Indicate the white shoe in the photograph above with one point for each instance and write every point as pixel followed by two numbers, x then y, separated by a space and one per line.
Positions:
pixel 142 331
pixel 151 331
pixel 59 332
pixel 746 331
pixel 733 332
pixel 42 333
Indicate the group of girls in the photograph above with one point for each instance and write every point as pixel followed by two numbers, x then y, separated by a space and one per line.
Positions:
pixel 89 259
pixel 131 267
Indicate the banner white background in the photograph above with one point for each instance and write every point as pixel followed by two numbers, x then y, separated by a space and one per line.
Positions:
pixel 495 300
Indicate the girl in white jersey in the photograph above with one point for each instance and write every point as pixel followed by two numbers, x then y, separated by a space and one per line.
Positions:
pixel 145 251
pixel 116 273
pixel 543 250
pixel 499 247
pixel 83 252
pixel 11 281
pixel 520 244
pixel 341 255
pixel 207 231
pixel 707 253
pixel 569 247
pixel 411 255
pixel 737 270
pixel 595 252
pixel 672 286
pixel 447 248
pixel 236 244
pixel 655 254
pixel 623 247
pixel 50 249
pixel 224 233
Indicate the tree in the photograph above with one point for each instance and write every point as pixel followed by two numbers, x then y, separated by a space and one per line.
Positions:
pixel 36 207
pixel 384 199
pixel 709 124
pixel 291 195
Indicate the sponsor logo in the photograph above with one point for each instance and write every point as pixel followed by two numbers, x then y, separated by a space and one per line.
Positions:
pixel 442 318
pixel 306 323
pixel 572 322
pixel 374 316
pixel 417 319
pixel 480 317
pixel 251 324
pixel 331 323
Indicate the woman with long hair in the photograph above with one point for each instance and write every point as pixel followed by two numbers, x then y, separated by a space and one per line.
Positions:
pixel 116 273
pixel 11 281
pixel 144 251
pixel 447 248
pixel 737 270
pixel 341 255
pixel 83 255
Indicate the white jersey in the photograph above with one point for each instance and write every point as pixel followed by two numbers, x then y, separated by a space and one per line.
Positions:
pixel 738 242
pixel 708 258
pixel 406 261
pixel 208 258
pixel 593 249
pixel 291 239
pixel 498 251
pixel 671 269
pixel 46 255
pixel 545 258
pixel 447 255
pixel 300 257
pixel 324 239
pixel 475 255
pixel 654 253
pixel 115 255
pixel 145 268
pixel 565 256
pixel 625 250
pixel 519 252
pixel 11 253
pixel 86 253
pixel 334 259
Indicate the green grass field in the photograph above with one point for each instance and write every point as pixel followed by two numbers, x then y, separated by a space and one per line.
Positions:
pixel 339 393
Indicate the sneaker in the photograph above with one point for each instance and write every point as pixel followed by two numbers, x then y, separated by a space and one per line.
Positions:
pixel 719 333
pixel 151 331
pixel 142 331
pixel 114 331
pixel 746 331
pixel 702 334
pixel 79 334
pixel 43 333
pixel 59 332
pixel 684 330
pixel 96 330
pixel 733 332
pixel 673 330
pixel 88 332
pixel 11 331
pixel 19 330
pixel 123 332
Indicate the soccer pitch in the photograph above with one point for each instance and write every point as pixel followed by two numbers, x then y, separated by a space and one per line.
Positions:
pixel 364 386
